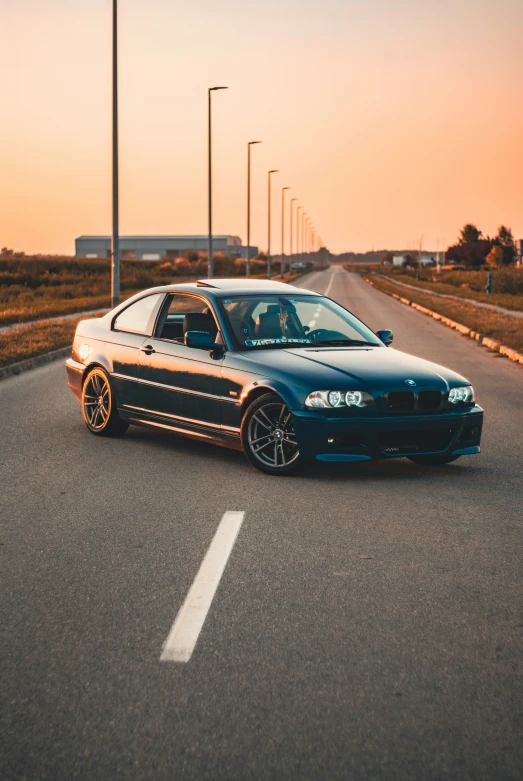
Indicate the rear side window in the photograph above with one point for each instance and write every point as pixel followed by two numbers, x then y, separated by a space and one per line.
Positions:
pixel 183 313
pixel 139 317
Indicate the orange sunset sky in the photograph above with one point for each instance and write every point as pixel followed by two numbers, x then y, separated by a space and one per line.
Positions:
pixel 390 119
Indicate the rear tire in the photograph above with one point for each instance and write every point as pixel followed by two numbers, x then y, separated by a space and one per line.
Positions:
pixel 268 437
pixel 99 406
pixel 433 460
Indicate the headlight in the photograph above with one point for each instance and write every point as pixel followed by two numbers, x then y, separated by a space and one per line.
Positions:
pixel 351 398
pixel 462 395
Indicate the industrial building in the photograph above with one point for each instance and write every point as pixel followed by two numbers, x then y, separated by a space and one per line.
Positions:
pixel 158 247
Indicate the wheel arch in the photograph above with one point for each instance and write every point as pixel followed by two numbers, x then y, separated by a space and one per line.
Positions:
pixel 254 391
pixel 94 365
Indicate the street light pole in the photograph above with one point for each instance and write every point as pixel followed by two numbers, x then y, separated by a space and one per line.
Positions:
pixel 274 171
pixel 283 230
pixel 115 240
pixel 298 244
pixel 210 269
pixel 290 236
pixel 248 267
pixel 304 237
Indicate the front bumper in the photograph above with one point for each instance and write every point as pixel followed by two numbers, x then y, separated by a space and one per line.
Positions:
pixel 366 439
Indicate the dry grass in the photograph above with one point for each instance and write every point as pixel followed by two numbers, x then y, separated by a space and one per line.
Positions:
pixel 29 341
pixel 464 289
pixel 507 330
pixel 44 336
pixel 33 288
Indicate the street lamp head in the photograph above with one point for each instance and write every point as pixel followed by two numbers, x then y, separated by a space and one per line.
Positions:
pixel 213 89
pixel 285 188
pixel 274 171
pixel 254 142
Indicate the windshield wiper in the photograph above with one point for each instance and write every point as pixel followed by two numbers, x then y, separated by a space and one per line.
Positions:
pixel 342 342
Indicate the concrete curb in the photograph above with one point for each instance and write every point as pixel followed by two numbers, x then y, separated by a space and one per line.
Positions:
pixel 492 344
pixel 32 363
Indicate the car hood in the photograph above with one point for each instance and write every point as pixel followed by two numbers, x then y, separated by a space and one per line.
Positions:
pixel 355 367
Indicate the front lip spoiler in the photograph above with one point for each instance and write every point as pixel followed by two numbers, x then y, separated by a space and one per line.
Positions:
pixel 313 433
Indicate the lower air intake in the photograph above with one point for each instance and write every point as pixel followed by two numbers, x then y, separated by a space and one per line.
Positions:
pixel 403 442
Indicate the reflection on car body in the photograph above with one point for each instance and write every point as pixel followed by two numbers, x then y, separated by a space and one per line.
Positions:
pixel 284 374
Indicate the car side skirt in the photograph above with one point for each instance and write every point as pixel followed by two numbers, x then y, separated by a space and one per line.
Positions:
pixel 216 435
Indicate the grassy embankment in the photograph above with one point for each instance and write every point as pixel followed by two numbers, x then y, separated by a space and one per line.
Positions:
pixel 32 340
pixel 504 328
pixel 36 288
pixel 39 288
pixel 507 287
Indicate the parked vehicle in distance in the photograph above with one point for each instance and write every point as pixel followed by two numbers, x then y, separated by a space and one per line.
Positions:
pixel 284 374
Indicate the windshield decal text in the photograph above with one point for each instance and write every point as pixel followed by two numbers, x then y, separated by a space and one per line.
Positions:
pixel 283 340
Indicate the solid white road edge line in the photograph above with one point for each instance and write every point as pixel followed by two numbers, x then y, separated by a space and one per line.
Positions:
pixel 191 617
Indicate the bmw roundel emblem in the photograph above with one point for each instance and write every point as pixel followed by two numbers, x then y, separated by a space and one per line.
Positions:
pixel 410 382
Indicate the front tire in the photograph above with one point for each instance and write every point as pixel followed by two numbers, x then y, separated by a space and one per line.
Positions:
pixel 268 437
pixel 433 460
pixel 99 407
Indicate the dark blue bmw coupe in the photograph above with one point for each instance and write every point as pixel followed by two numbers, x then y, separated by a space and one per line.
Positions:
pixel 284 374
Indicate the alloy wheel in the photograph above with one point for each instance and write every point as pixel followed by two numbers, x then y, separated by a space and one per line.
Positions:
pixel 96 401
pixel 271 436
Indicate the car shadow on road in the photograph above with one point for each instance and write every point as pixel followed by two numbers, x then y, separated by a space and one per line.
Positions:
pixel 393 469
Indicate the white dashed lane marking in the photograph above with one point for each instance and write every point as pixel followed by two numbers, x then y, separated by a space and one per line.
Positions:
pixel 188 624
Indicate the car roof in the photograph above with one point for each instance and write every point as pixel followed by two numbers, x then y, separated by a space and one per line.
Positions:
pixel 246 286
pixel 217 288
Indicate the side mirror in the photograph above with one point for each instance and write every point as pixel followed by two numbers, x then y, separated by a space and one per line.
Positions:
pixel 202 340
pixel 385 335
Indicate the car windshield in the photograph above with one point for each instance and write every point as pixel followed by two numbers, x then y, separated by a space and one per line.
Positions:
pixel 271 321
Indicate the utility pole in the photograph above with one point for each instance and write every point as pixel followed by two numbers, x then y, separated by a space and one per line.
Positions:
pixel 248 267
pixel 115 240
pixel 298 231
pixel 210 270
pixel 290 237
pixel 274 171
pixel 283 230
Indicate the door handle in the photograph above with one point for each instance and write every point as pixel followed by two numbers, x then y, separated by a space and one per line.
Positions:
pixel 147 348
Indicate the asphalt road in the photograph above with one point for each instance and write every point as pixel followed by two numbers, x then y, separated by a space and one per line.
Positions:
pixel 366 625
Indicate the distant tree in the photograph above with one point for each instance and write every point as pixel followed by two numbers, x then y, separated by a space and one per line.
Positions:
pixel 261 256
pixel 387 258
pixel 410 261
pixel 505 241
pixel 470 253
pixel 495 257
pixel 469 233
pixel 8 253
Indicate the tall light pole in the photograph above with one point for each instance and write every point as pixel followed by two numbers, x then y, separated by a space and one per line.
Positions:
pixel 283 230
pixel 303 237
pixel 298 246
pixel 115 240
pixel 210 266
pixel 290 236
pixel 248 267
pixel 274 171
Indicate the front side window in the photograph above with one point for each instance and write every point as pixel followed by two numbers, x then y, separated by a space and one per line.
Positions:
pixel 137 318
pixel 301 321
pixel 184 313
